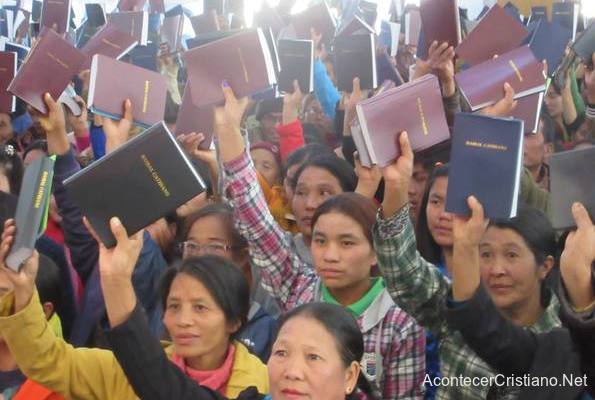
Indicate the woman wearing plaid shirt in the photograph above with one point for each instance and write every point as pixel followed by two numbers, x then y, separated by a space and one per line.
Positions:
pixel 394 343
pixel 420 288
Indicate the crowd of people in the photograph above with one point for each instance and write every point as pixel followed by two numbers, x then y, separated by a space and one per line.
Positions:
pixel 298 272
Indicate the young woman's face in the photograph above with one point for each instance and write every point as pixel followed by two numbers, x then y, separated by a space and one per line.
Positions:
pixel 287 182
pixel 342 254
pixel 553 103
pixel 509 271
pixel 266 163
pixel 439 221
pixel 305 364
pixel 210 237
pixel 315 185
pixel 417 186
pixel 195 322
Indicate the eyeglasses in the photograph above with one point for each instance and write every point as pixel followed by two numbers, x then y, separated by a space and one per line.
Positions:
pixel 190 249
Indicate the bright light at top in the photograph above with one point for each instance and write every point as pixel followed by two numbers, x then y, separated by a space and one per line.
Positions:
pixel 589 8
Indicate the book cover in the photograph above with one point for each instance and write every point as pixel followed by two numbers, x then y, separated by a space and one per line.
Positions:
pixel 131 5
pixel 273 51
pixel 109 41
pixel 158 178
pixel 548 42
pixel 243 60
pixel 528 109
pixel 482 85
pixel 22 51
pixel 206 38
pixel 524 6
pixel 195 119
pixel 355 56
pixel 32 208
pixel 114 81
pixel 55 14
pixel 50 66
pixel 297 62
pixel 318 17
pixel 95 14
pixel 386 70
pixel 389 36
pixel 157 6
pixel 566 14
pixel 497 33
pixel 8 70
pixel 440 22
pixel 486 162
pixel 205 23
pixel 584 46
pixel 537 13
pixel 136 24
pixel 412 27
pixel 145 56
pixel 268 17
pixel 171 32
pixel 571 180
pixel 415 107
pixel 354 26
pixel 36 11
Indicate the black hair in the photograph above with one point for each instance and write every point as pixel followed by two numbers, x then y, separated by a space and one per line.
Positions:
pixel 535 229
pixel 342 326
pixel 304 154
pixel 8 208
pixel 547 128
pixel 11 165
pixel 336 166
pixel 225 282
pixel 427 246
pixel 48 282
pixel 171 110
pixel 39 144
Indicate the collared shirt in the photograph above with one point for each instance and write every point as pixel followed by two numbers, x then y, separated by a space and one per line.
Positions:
pixel 419 288
pixel 357 308
pixel 292 282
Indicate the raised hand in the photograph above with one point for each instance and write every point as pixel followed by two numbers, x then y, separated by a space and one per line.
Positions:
pixel 23 280
pixel 577 259
pixel 441 62
pixel 351 100
pixel 228 120
pixel 368 178
pixel 504 106
pixel 397 177
pixel 54 124
pixel 468 231
pixel 292 103
pixel 191 143
pixel 79 124
pixel 116 133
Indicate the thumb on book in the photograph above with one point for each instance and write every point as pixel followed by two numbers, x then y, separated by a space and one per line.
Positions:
pixel 581 216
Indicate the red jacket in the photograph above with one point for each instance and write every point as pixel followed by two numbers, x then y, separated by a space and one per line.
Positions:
pixel 31 390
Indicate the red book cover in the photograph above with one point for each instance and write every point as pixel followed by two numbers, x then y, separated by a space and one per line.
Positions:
pixel 8 69
pixel 108 41
pixel 440 22
pixel 131 5
pixel 243 60
pixel 415 107
pixel 113 81
pixel 171 31
pixel 528 109
pixel 497 33
pixel 49 68
pixel 483 84
pixel 318 17
pixel 135 23
pixel 55 14
pixel 205 23
pixel 195 119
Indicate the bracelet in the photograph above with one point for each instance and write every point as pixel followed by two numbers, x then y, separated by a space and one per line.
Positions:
pixel 584 309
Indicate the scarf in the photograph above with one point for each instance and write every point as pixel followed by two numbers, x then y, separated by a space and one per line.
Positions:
pixel 215 379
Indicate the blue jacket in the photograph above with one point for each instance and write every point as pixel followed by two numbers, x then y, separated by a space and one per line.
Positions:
pixel 326 92
pixel 259 333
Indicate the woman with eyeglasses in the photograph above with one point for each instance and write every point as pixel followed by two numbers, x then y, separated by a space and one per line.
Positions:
pixel 211 231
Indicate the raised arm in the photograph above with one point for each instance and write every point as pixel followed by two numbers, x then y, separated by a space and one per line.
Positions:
pixel 416 285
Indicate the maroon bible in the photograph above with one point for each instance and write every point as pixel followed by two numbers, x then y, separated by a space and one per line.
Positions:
pixel 171 31
pixel 440 22
pixel 113 81
pixel 483 84
pixel 135 23
pixel 109 41
pixel 528 109
pixel 497 33
pixel 318 17
pixel 55 14
pixel 415 107
pixel 243 60
pixel 49 67
pixel 8 69
pixel 205 23
pixel 195 119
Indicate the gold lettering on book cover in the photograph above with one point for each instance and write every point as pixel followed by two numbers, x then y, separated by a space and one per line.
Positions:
pixel 155 176
pixel 246 77
pixel 516 69
pixel 491 146
pixel 41 190
pixel 422 117
pixel 109 43
pixel 146 97
pixel 56 59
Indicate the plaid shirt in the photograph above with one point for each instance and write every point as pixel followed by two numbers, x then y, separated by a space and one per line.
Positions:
pixel 419 288
pixel 292 282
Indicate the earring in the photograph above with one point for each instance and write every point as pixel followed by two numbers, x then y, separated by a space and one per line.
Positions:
pixel 349 390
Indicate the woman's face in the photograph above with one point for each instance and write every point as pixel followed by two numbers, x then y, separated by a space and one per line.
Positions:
pixel 341 252
pixel 266 164
pixel 314 186
pixel 509 270
pixel 553 103
pixel 195 322
pixel 314 114
pixel 287 182
pixel 305 364
pixel 210 237
pixel 439 221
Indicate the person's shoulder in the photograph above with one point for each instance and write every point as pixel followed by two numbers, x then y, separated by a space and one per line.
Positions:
pixel 248 370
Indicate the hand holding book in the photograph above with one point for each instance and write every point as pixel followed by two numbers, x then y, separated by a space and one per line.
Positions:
pixel 228 120
pixel 79 124
pixel 54 125
pixel 351 100
pixel 440 62
pixel 116 132
pixel 577 258
pixel 292 103
pixel 503 107
pixel 23 280
pixel 368 178
pixel 397 177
